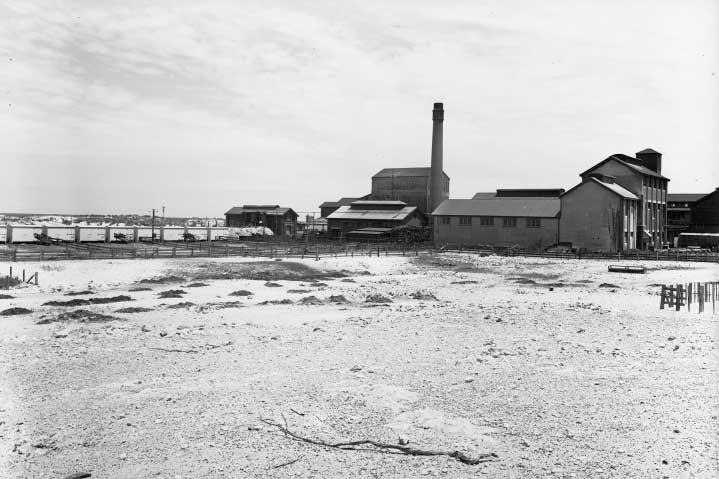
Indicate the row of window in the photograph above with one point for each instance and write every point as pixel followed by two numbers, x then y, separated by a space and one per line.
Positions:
pixel 507 221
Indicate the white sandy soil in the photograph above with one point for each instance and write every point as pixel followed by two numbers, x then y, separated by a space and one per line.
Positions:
pixel 574 381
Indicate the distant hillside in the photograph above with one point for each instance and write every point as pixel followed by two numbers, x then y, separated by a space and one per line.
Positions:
pixel 106 220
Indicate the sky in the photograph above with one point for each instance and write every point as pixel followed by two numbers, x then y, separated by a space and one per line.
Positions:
pixel 124 106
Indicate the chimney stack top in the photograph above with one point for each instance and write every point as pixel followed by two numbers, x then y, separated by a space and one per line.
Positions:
pixel 438 112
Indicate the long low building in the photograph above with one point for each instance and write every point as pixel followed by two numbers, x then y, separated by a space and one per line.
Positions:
pixel 527 222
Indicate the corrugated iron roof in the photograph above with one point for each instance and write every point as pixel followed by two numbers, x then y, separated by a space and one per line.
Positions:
pixel 627 161
pixel 277 211
pixel 344 201
pixel 685 197
pixel 368 203
pixel 615 188
pixel 409 172
pixel 484 195
pixel 542 207
pixel 347 213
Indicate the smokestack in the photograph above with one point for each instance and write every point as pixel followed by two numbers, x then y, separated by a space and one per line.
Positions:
pixel 436 172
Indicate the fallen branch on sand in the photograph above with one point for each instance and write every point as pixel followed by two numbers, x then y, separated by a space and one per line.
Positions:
pixel 412 451
pixel 286 463
pixel 206 347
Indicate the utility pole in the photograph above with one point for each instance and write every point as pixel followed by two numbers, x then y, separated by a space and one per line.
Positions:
pixel 153 225
pixel 163 216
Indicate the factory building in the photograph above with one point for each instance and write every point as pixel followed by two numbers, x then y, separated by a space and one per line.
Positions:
pixel 282 221
pixel 328 207
pixel 705 215
pixel 679 214
pixel 527 222
pixel 410 185
pixel 372 218
pixel 599 215
pixel 641 176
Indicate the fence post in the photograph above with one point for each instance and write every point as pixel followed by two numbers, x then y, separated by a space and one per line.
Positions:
pixel 23 276
pixel 11 271
pixel 36 280
pixel 661 303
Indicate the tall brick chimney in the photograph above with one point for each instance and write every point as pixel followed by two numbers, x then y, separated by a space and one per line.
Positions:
pixel 437 170
pixel 651 159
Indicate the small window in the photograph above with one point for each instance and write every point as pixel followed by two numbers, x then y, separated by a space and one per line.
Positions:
pixel 534 223
pixel 465 221
pixel 446 220
pixel 509 222
pixel 486 220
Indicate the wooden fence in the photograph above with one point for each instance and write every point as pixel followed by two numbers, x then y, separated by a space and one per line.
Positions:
pixel 684 295
pixel 299 249
pixel 213 250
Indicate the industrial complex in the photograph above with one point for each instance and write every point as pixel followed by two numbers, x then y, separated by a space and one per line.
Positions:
pixel 621 203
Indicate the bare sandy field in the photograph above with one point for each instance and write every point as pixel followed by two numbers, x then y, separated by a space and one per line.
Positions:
pixel 560 368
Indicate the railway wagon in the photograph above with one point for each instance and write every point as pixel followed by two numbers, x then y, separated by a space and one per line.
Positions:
pixel 3 234
pixel 145 233
pixel 64 233
pixel 218 233
pixel 87 234
pixel 172 234
pixel 199 233
pixel 128 231
pixel 24 233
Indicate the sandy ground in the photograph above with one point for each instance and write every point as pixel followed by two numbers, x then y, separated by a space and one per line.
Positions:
pixel 527 358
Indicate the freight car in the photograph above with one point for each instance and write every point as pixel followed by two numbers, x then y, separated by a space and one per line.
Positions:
pixel 105 234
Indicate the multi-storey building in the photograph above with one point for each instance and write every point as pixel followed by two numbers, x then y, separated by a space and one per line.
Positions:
pixel 641 176
pixel 410 185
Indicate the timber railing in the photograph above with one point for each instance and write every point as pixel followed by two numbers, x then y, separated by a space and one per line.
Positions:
pixel 297 249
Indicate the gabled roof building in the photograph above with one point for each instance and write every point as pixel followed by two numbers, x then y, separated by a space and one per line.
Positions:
pixel 411 185
pixel 599 215
pixel 531 223
pixel 328 207
pixel 281 220
pixel 705 215
pixel 376 215
pixel 680 207
pixel 642 176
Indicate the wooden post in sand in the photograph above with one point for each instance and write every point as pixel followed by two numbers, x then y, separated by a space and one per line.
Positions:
pixel 679 293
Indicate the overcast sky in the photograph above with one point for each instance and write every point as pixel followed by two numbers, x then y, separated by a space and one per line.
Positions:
pixel 119 107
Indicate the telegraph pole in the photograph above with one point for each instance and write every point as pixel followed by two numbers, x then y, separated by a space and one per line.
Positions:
pixel 153 225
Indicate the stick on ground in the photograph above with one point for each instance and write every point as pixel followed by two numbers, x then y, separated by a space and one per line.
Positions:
pixel 412 451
